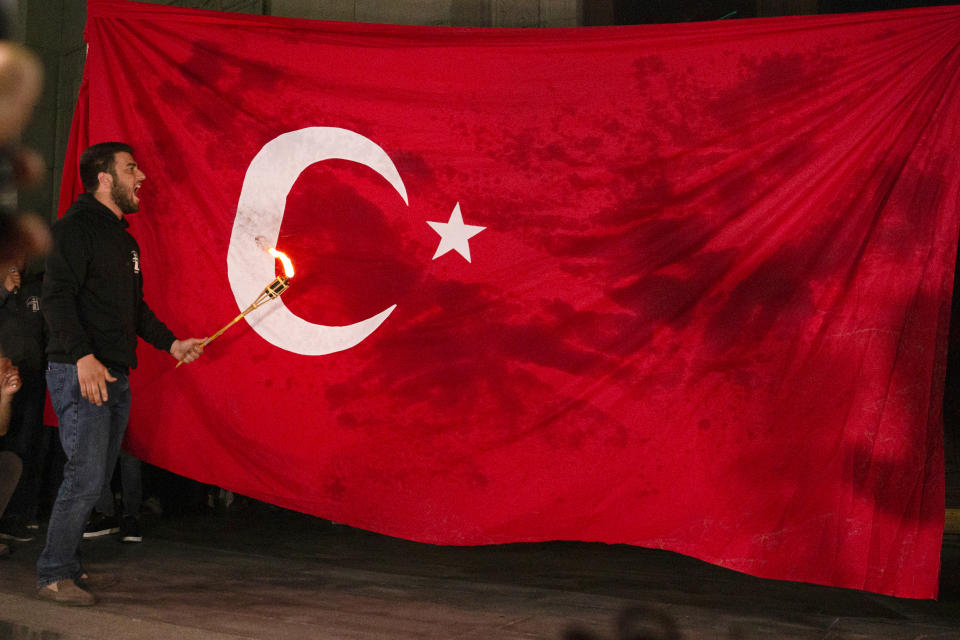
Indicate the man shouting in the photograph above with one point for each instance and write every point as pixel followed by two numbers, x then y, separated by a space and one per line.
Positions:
pixel 94 308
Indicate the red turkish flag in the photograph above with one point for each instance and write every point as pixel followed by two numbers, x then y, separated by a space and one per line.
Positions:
pixel 684 287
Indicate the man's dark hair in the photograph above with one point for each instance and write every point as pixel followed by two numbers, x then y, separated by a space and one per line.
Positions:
pixel 99 158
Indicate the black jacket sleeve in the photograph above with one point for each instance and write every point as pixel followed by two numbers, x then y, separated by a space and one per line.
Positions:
pixel 151 329
pixel 66 269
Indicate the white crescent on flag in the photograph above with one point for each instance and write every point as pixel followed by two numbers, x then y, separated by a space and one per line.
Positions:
pixel 263 197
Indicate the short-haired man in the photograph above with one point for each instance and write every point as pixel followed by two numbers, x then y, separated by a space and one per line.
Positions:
pixel 94 308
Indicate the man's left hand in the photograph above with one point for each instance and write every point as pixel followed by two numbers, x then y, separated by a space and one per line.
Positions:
pixel 187 350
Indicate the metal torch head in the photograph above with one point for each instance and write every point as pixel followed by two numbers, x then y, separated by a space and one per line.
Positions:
pixel 278 286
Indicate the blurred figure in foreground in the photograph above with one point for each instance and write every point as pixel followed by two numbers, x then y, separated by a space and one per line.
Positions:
pixel 22 236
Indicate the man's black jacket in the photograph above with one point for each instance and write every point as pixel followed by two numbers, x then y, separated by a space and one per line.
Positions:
pixel 93 290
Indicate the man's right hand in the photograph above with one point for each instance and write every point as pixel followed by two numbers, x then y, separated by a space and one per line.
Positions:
pixel 93 378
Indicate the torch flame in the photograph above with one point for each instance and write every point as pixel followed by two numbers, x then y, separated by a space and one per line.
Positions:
pixel 287 265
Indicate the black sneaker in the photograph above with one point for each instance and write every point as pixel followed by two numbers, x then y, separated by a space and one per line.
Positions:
pixel 130 530
pixel 12 529
pixel 101 525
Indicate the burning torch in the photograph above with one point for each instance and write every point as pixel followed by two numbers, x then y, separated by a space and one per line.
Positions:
pixel 273 290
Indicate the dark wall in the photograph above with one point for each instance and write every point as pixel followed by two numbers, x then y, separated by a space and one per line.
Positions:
pixel 847 6
pixel 664 11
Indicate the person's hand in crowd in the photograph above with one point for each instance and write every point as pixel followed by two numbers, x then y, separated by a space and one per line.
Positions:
pixel 10 381
pixel 12 280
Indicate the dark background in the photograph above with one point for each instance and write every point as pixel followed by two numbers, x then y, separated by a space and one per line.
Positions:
pixel 599 12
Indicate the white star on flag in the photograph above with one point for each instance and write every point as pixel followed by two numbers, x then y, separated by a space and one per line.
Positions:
pixel 454 234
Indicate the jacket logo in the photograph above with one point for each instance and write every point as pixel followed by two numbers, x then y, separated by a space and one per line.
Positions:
pixel 136 261
pixel 33 303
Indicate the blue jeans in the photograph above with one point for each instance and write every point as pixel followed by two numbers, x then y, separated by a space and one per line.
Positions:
pixel 91 438
pixel 130 484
